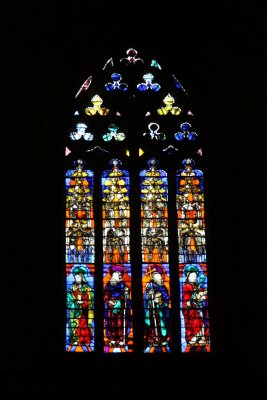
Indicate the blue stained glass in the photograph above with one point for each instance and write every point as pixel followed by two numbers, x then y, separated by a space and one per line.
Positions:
pixel 116 83
pixel 142 87
pixel 192 136
pixel 155 87
pixel 185 126
pixel 116 77
pixel 148 78
pixel 179 136
pixel 177 84
pixel 123 87
pixel 109 87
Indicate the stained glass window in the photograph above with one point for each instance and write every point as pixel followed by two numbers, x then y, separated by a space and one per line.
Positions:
pixel 80 258
pixel 192 258
pixel 118 334
pixel 155 257
pixel 136 258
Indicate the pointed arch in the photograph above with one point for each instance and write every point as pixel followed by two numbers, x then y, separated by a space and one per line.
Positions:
pixel 135 232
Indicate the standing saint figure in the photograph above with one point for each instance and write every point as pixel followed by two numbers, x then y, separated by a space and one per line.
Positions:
pixel 80 299
pixel 194 307
pixel 117 306
pixel 156 305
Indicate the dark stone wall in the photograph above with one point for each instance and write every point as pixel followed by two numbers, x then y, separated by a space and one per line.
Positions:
pixel 217 52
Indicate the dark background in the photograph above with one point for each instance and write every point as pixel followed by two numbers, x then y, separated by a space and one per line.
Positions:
pixel 217 51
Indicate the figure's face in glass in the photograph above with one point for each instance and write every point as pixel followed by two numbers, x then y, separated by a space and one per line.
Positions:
pixel 78 278
pixel 116 276
pixel 192 278
pixel 157 278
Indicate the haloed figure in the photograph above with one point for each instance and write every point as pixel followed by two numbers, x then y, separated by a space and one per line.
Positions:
pixel 157 312
pixel 194 303
pixel 80 308
pixel 117 307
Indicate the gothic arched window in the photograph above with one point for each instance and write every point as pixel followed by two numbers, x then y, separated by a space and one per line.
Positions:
pixel 135 236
